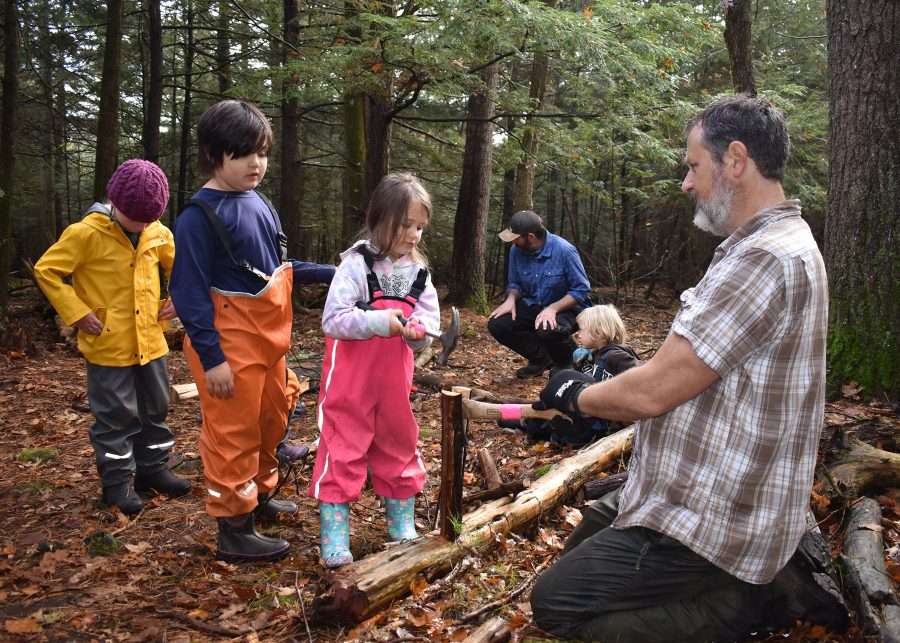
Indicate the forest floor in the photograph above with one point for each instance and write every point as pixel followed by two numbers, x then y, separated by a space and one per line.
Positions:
pixel 74 570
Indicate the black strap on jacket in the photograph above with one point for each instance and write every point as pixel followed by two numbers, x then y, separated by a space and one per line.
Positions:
pixel 228 243
pixel 375 291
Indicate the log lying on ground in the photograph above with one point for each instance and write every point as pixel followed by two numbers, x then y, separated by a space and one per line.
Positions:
pixel 505 489
pixel 495 630
pixel 863 468
pixel 362 588
pixel 182 392
pixel 865 574
pixel 602 486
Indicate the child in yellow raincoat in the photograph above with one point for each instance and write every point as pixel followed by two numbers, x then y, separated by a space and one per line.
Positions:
pixel 103 277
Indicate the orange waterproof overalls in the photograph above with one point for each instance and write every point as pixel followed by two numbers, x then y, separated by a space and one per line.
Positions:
pixel 239 435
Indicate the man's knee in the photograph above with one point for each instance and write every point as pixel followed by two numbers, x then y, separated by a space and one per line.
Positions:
pixel 546 602
pixel 498 327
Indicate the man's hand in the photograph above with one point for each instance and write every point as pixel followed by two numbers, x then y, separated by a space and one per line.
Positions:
pixel 89 324
pixel 166 311
pixel 562 392
pixel 546 319
pixel 220 381
pixel 508 306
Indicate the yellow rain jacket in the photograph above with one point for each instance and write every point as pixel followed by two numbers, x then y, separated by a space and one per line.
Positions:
pixel 118 282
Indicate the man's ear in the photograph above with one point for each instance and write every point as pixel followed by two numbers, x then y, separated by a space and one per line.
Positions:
pixel 736 159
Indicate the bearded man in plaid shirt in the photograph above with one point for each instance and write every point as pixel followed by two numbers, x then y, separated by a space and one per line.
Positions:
pixel 708 539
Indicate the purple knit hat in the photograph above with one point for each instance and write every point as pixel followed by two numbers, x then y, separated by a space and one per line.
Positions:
pixel 139 190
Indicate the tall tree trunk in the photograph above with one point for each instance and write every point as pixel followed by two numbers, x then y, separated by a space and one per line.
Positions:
pixel 186 120
pixel 223 48
pixel 379 116
pixel 861 249
pixel 473 205
pixel 523 196
pixel 173 116
pixel 108 120
pixel 552 206
pixel 738 29
pixel 356 194
pixel 7 143
pixel 153 112
pixel 292 175
pixel 49 215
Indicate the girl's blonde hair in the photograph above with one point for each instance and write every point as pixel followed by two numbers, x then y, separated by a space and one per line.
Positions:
pixel 388 205
pixel 603 320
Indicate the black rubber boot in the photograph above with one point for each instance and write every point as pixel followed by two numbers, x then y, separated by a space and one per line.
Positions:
pixel 239 542
pixel 269 508
pixel 162 481
pixel 122 495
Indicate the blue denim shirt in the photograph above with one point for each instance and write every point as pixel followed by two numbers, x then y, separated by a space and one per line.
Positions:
pixel 545 276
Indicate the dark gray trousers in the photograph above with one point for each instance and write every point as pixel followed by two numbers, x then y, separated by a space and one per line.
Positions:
pixel 638 585
pixel 520 335
pixel 129 404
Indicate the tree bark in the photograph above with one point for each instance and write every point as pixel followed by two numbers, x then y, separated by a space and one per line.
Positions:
pixel 355 193
pixel 738 31
pixel 523 195
pixel 8 142
pixel 49 214
pixel 223 46
pixel 186 120
pixel 292 175
pixel 864 190
pixel 473 205
pixel 867 579
pixel 154 88
pixel 368 585
pixel 108 120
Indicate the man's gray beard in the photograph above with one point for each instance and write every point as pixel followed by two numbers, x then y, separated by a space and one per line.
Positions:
pixel 712 216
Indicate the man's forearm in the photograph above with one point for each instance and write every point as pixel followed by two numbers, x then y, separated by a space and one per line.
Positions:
pixel 673 376
pixel 563 303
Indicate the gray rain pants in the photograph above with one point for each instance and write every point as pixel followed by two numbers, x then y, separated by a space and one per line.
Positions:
pixel 129 404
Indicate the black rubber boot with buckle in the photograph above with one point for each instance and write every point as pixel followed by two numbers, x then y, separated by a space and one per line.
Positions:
pixel 162 481
pixel 239 542
pixel 269 507
pixel 122 495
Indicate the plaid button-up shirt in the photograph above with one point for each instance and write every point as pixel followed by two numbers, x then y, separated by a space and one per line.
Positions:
pixel 728 473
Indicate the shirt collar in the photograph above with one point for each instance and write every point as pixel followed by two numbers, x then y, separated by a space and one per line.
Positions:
pixel 763 218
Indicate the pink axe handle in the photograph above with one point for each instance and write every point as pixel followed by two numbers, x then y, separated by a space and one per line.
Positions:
pixel 475 410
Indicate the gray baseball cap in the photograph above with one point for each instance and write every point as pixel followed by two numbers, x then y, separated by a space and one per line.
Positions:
pixel 522 222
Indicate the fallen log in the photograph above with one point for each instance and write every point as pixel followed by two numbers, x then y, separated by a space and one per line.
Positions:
pixel 868 582
pixel 602 486
pixel 489 469
pixel 182 392
pixel 505 489
pixel 495 630
pixel 862 468
pixel 364 587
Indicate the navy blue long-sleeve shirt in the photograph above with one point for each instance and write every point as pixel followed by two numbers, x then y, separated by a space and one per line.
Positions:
pixel 201 262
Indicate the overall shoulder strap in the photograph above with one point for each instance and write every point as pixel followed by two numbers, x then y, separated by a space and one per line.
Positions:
pixel 282 238
pixel 219 228
pixel 371 279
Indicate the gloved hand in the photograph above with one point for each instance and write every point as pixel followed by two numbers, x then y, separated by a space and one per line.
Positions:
pixel 562 392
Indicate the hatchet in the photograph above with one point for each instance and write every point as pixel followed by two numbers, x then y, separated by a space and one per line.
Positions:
pixel 449 338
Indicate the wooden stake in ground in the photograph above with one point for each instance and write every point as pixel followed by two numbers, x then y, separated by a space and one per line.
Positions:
pixel 364 587
pixel 492 478
pixel 453 451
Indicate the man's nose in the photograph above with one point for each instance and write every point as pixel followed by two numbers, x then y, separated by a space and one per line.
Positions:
pixel 688 183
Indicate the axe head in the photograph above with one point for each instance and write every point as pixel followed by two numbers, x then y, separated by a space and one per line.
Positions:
pixel 449 337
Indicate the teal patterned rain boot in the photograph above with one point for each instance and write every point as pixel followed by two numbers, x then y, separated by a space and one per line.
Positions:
pixel 401 518
pixel 334 530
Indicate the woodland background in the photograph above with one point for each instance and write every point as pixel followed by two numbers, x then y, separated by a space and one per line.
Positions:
pixel 575 108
